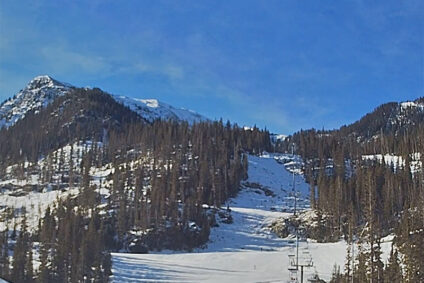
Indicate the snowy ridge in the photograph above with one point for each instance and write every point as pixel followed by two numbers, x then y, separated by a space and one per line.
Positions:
pixel 40 91
pixel 152 109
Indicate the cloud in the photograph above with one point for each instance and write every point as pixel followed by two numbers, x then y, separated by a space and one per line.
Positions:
pixel 172 72
pixel 61 59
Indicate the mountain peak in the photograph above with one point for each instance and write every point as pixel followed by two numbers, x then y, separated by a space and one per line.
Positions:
pixel 39 92
pixel 44 81
pixel 42 78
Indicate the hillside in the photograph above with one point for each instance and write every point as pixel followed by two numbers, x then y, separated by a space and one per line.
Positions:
pixel 390 118
pixel 392 128
pixel 368 183
pixel 246 250
pixel 79 114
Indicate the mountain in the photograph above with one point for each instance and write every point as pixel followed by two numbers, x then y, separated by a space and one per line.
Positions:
pixel 388 118
pixel 39 92
pixel 392 128
pixel 42 90
pixel 81 114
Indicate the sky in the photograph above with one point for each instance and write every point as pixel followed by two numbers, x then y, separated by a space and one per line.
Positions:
pixel 283 65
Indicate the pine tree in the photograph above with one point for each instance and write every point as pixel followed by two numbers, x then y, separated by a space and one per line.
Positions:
pixel 348 264
pixel 4 255
pixel 20 255
pixel 29 269
pixel 360 274
pixel 46 239
pixel 393 272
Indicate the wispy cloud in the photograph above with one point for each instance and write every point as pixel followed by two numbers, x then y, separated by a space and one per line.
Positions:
pixel 172 72
pixel 60 59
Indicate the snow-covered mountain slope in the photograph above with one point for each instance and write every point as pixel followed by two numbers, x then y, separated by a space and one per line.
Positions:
pixel 402 114
pixel 152 109
pixel 246 250
pixel 253 210
pixel 30 194
pixel 42 90
pixel 39 92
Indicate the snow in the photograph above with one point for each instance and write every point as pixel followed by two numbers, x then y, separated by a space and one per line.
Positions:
pixel 397 161
pixel 202 267
pixel 411 104
pixel 247 250
pixel 152 109
pixel 235 266
pixel 277 137
pixel 34 203
pixel 153 103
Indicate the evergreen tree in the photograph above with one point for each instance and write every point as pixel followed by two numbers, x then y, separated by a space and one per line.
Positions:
pixel 393 271
pixel 20 271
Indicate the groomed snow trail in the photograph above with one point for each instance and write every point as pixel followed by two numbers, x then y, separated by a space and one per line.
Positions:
pixel 253 211
pixel 245 251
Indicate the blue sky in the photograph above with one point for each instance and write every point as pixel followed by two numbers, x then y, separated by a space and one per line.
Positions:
pixel 285 65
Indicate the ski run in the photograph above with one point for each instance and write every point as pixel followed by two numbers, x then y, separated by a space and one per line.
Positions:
pixel 246 250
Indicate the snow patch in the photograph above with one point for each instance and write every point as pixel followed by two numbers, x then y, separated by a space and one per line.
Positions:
pixel 398 162
pixel 410 104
